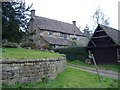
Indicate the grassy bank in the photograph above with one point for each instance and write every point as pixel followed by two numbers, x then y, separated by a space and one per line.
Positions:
pixel 72 78
pixel 20 53
pixel 112 67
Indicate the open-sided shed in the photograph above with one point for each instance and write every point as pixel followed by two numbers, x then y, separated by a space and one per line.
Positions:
pixel 104 44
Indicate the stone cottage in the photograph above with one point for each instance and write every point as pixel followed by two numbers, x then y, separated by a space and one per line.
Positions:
pixel 49 33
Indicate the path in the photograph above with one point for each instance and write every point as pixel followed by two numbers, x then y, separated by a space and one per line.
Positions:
pixel 107 73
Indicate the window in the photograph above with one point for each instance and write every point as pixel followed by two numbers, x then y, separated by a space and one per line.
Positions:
pixel 50 33
pixel 61 35
pixel 65 35
pixel 78 37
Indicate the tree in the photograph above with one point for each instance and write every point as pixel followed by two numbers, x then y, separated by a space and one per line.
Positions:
pixel 100 18
pixel 22 14
pixel 87 31
pixel 14 20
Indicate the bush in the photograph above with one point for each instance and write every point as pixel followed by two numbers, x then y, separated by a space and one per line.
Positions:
pixel 10 45
pixel 73 53
pixel 44 46
pixel 28 44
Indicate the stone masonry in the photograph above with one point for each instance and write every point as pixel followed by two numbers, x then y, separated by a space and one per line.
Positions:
pixel 31 71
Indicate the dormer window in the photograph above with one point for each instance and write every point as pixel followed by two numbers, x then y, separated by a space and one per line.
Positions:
pixel 65 36
pixel 50 33
pixel 61 35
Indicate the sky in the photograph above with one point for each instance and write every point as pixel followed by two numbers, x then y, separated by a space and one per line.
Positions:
pixel 80 11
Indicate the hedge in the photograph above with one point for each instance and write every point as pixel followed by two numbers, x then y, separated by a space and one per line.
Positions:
pixel 73 53
pixel 10 45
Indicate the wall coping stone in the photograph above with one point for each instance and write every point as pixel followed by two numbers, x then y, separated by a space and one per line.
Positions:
pixel 15 61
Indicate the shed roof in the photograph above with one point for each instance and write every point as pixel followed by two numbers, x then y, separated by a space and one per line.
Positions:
pixel 111 32
pixel 58 26
pixel 114 34
pixel 56 41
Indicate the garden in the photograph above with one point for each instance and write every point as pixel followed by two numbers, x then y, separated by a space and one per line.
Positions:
pixel 69 78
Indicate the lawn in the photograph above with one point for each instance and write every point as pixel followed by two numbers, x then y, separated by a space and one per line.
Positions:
pixel 112 67
pixel 20 53
pixel 72 78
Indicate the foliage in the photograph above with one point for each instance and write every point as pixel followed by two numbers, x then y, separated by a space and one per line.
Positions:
pixel 45 79
pixel 28 36
pixel 10 45
pixel 28 44
pixel 72 78
pixel 15 18
pixel 73 53
pixel 87 32
pixel 20 53
pixel 100 18
pixel 44 46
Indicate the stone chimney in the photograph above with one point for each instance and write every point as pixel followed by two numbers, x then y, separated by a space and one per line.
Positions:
pixel 32 13
pixel 74 23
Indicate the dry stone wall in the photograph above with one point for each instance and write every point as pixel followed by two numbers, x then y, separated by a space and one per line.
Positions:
pixel 30 71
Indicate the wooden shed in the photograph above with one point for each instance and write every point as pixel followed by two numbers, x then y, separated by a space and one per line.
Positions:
pixel 104 45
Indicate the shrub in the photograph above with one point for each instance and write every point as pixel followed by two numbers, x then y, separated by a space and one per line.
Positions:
pixel 44 46
pixel 73 53
pixel 10 45
pixel 28 44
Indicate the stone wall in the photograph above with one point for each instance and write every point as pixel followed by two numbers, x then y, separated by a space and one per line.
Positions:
pixel 30 71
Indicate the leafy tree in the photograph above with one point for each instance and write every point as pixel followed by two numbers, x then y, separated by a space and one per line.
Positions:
pixel 15 17
pixel 100 18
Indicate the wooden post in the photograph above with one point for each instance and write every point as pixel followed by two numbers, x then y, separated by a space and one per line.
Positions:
pixel 95 65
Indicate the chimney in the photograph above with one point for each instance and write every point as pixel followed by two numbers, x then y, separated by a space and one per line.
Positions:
pixel 74 23
pixel 32 13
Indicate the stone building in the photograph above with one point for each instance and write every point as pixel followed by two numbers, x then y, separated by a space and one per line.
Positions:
pixel 55 34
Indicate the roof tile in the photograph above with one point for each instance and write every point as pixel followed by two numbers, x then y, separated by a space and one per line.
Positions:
pixel 58 26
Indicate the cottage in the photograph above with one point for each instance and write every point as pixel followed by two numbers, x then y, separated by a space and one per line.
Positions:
pixel 52 33
pixel 104 44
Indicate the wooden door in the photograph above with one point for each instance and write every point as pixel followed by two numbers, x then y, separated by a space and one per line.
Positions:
pixel 105 55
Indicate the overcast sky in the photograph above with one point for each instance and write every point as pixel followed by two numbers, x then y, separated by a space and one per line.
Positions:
pixel 78 10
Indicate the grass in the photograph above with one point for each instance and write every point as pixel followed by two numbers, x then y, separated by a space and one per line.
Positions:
pixel 20 53
pixel 0 52
pixel 112 67
pixel 72 78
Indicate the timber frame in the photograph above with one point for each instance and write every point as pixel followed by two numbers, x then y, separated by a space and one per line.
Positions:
pixel 104 44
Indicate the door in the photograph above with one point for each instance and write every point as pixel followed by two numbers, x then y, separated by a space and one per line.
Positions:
pixel 105 55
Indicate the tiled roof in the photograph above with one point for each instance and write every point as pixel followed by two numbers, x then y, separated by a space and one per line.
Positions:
pixel 58 26
pixel 113 33
pixel 56 41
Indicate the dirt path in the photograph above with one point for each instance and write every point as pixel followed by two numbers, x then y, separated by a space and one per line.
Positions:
pixel 107 73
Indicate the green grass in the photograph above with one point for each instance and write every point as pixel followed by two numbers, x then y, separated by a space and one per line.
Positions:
pixel 112 67
pixel 0 52
pixel 20 53
pixel 72 78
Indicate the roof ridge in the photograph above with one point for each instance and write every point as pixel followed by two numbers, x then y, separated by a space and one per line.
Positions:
pixel 112 33
pixel 55 20
pixel 109 27
pixel 55 25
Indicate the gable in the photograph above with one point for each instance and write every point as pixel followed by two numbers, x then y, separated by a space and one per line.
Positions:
pixel 101 38
pixel 113 33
